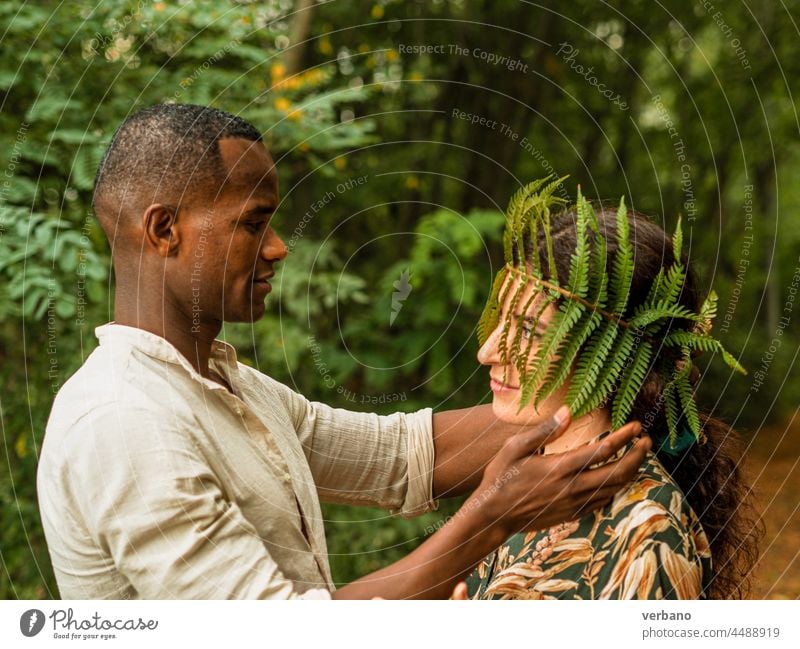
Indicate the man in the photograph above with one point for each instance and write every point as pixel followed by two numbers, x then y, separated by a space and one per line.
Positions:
pixel 170 470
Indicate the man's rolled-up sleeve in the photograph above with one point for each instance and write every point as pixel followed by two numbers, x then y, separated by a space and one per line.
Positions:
pixel 154 504
pixel 362 458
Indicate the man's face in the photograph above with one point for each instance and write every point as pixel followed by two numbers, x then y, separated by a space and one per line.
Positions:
pixel 230 249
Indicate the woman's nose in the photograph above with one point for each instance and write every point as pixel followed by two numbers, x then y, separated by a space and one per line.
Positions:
pixel 488 354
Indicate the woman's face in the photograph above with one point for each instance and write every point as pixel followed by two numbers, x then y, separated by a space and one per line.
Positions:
pixel 504 378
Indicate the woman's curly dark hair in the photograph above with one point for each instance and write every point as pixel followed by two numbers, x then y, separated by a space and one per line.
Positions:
pixel 709 472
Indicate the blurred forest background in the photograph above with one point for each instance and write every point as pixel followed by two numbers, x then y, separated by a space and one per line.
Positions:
pixel 400 130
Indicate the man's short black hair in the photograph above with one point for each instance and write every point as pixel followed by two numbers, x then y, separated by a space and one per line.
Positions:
pixel 160 153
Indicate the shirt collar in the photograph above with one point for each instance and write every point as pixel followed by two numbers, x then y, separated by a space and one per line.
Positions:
pixel 222 359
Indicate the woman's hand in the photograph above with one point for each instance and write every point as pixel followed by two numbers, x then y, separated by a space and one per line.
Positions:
pixel 521 491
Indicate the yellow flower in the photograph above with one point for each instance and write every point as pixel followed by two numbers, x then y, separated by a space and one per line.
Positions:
pixel 277 71
pixel 340 162
pixel 21 446
pixel 295 115
pixel 282 104
pixel 377 12
pixel 304 146
pixel 391 56
pixel 159 6
pixel 325 46
pixel 412 182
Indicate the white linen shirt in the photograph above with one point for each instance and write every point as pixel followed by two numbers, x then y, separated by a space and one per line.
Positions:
pixel 155 482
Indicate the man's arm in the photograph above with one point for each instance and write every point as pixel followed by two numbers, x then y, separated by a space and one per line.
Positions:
pixel 465 441
pixel 519 491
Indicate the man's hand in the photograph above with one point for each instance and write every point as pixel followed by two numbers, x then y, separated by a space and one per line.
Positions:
pixel 521 491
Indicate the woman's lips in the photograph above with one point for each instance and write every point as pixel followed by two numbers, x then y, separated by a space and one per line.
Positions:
pixel 499 387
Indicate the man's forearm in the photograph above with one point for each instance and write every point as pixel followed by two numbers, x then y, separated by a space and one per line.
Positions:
pixel 434 568
pixel 464 442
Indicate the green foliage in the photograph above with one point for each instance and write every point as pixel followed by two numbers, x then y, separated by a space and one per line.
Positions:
pixel 357 106
pixel 62 99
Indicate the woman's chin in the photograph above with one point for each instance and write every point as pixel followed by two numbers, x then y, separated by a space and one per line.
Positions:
pixel 507 410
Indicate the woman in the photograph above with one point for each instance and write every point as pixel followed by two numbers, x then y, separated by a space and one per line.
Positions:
pixel 603 314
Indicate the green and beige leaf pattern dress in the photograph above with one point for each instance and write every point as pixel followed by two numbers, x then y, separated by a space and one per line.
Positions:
pixel 646 544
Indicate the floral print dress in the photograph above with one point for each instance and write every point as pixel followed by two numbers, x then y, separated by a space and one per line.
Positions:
pixel 646 544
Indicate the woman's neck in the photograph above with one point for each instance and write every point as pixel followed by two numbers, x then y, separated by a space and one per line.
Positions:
pixel 582 431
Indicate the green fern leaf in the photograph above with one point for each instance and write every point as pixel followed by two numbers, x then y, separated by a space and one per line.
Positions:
pixel 672 285
pixel 632 381
pixel 677 241
pixel 491 312
pixel 610 373
pixel 622 268
pixel 704 343
pixel 688 405
pixel 590 364
pixel 589 321
pixel 661 311
pixel 565 318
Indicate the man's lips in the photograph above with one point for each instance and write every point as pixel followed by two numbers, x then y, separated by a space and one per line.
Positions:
pixel 263 281
pixel 499 386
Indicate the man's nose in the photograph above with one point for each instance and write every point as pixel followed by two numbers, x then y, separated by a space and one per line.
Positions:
pixel 274 249
pixel 489 354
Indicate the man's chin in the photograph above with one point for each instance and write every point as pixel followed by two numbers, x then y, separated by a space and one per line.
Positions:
pixel 252 314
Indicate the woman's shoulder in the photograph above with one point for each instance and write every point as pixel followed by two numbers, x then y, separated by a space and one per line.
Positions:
pixel 655 492
pixel 654 512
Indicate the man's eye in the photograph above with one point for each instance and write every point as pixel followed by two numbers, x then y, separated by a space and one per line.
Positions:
pixel 254 227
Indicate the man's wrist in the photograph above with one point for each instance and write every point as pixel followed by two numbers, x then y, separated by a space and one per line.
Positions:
pixel 481 517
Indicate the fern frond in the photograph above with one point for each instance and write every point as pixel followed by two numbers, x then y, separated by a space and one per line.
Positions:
pixel 565 318
pixel 517 356
pixel 677 241
pixel 584 381
pixel 610 373
pixel 622 268
pixel 650 300
pixel 672 411
pixel 491 312
pixel 672 285
pixel 579 262
pixel 661 311
pixel 704 343
pixel 523 364
pixel 632 381
pixel 709 309
pixel 688 405
pixel 589 321
pixel 509 319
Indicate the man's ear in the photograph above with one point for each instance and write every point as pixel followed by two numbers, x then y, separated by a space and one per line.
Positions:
pixel 160 229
